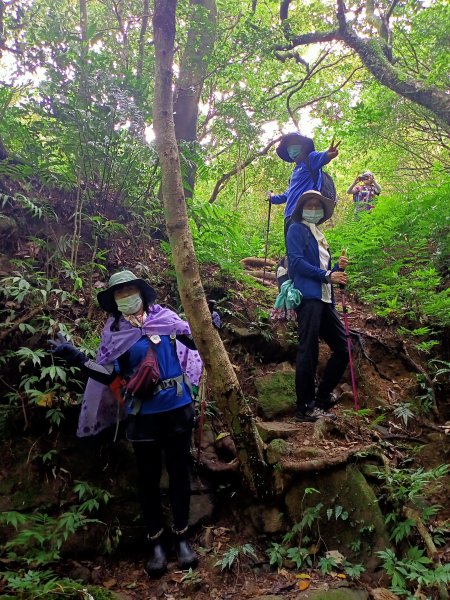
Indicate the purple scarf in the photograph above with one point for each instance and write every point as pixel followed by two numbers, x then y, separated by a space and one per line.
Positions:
pixel 99 408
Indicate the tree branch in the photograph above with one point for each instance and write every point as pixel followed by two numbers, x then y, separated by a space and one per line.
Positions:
pixel 142 34
pixel 226 176
pixel 284 9
pixel 372 54
pixel 315 37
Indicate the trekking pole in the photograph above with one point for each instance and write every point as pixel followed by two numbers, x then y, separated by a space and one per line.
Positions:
pixel 349 344
pixel 267 238
pixel 202 400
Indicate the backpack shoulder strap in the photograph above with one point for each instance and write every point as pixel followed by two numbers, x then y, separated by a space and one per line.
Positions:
pixel 314 172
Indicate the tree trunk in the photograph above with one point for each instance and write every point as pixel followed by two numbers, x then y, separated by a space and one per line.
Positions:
pixel 221 377
pixel 193 70
pixel 142 36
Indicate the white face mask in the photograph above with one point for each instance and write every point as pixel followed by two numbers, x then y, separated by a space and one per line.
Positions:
pixel 130 305
pixel 313 216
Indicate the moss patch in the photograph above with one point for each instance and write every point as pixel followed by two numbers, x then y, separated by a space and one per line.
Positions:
pixel 276 394
pixel 364 523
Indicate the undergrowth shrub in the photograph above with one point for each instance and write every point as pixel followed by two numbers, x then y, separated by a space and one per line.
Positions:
pixel 399 253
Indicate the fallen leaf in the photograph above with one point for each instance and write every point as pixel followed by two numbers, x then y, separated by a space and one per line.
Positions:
pixel 303 584
pixel 283 573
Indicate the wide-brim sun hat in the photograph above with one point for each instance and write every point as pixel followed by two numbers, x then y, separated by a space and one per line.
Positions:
pixel 293 139
pixel 117 280
pixel 327 203
pixel 366 174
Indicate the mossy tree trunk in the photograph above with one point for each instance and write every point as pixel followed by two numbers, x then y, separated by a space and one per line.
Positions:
pixel 221 377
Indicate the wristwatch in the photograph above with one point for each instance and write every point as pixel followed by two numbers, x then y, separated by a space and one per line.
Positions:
pixel 328 276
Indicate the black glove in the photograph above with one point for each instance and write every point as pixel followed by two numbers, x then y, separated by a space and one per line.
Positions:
pixel 67 351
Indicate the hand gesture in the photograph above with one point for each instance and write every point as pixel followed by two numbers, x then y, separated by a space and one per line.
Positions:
pixel 66 351
pixel 333 149
pixel 269 196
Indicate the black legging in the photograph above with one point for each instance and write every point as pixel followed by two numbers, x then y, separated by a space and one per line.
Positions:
pixel 149 463
pixel 318 319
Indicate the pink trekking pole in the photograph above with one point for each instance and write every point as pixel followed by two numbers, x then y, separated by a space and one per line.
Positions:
pixel 349 344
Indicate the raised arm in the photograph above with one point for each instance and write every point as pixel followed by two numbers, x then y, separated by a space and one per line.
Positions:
pixel 351 188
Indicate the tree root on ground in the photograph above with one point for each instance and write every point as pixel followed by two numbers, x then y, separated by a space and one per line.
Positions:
pixel 321 464
pixel 218 467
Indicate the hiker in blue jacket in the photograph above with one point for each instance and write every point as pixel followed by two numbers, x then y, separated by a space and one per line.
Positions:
pixel 157 404
pixel 312 274
pixel 297 148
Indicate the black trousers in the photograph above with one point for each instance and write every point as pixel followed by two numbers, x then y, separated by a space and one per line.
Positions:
pixel 317 319
pixel 174 440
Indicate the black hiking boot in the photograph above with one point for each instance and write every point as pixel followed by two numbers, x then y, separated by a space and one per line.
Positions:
pixel 186 557
pixel 156 565
pixel 328 402
pixel 313 415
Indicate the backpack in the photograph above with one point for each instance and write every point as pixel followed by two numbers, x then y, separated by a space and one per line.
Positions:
pixel 145 380
pixel 327 189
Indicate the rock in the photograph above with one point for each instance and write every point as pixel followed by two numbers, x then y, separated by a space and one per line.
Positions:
pixel 276 394
pixel 202 508
pixel 276 450
pixel 267 520
pixel 324 427
pixel 371 471
pixel 347 489
pixel 338 595
pixel 382 594
pixel 80 573
pixel 244 334
pixel 307 452
pixel 269 430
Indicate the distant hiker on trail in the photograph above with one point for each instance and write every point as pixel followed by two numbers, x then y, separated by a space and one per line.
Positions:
pixel 311 272
pixel 145 354
pixel 307 174
pixel 364 190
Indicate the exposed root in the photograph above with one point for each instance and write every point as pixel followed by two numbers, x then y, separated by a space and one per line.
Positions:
pixel 321 464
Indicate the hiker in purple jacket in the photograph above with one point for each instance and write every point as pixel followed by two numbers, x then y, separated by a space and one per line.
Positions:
pixel 296 148
pixel 145 343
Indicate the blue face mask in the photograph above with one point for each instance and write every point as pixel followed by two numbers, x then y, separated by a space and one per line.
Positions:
pixel 313 216
pixel 294 151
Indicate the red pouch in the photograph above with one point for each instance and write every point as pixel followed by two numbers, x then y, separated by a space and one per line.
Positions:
pixel 146 378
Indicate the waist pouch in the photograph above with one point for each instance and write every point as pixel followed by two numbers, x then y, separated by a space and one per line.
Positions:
pixel 146 378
